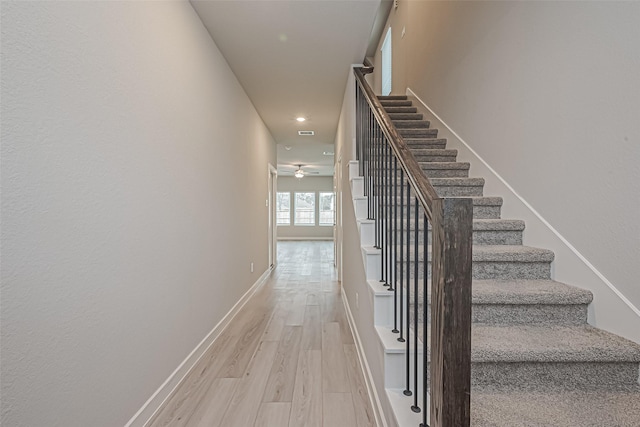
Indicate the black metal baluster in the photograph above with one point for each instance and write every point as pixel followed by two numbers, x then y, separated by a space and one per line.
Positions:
pixel 407 391
pixel 383 219
pixel 372 178
pixel 359 133
pixel 415 407
pixel 374 192
pixel 377 188
pixel 389 222
pixel 387 207
pixel 364 159
pixel 401 256
pixel 367 182
pixel 425 332
pixel 394 205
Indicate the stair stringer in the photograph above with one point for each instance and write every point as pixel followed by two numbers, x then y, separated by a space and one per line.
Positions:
pixel 611 310
pixel 390 354
pixel 360 313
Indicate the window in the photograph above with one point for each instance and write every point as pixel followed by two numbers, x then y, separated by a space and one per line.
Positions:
pixel 386 63
pixel 283 208
pixel 327 208
pixel 305 209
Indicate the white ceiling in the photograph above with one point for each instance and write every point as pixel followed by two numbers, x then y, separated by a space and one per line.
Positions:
pixel 293 58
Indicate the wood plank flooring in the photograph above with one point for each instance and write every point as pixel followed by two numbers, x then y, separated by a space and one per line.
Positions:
pixel 288 359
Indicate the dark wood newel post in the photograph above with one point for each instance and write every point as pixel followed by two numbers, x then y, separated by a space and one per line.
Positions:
pixel 451 313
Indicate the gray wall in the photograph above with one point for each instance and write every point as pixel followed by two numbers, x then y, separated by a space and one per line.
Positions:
pixel 308 183
pixel 124 242
pixel 548 94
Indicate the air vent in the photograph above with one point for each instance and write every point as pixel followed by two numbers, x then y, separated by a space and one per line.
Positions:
pixel 306 133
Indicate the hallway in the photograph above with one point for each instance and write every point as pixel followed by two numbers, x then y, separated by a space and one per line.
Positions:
pixel 287 359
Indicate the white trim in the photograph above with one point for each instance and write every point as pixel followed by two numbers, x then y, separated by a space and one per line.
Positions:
pixel 540 217
pixel 272 226
pixel 366 371
pixel 167 389
pixel 387 64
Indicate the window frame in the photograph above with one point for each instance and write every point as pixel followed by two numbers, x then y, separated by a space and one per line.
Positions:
pixel 278 223
pixel 312 210
pixel 333 209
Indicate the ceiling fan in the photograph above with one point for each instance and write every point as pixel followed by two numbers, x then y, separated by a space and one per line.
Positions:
pixel 298 172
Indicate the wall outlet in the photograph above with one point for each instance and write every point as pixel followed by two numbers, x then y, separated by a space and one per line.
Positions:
pixel 252 267
pixel 357 301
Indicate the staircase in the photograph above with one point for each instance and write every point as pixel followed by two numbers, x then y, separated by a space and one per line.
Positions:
pixel 535 360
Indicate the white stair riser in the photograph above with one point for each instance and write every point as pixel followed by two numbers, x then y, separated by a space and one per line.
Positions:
pixel 371 265
pixel 354 169
pixel 360 206
pixel 383 310
pixel 367 233
pixel 357 186
pixel 395 373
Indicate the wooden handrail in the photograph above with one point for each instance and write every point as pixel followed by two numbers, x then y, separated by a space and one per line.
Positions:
pixel 425 192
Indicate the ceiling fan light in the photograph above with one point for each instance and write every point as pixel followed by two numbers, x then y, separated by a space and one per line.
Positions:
pixel 300 119
pixel 298 173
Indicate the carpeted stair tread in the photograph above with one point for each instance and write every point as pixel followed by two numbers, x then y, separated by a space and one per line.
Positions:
pixel 444 165
pixel 395 103
pixel 401 109
pixel 411 124
pixel 485 201
pixel 392 97
pixel 426 143
pixel 457 182
pixel 476 200
pixel 445 169
pixel 502 253
pixel 549 408
pixel 527 292
pixel 434 152
pixel 511 253
pixel 498 224
pixel 405 116
pixel 518 302
pixel 487 207
pixel 442 182
pixel 549 343
pixel 418 132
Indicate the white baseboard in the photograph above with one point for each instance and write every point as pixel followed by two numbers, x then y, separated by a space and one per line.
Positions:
pixel 378 410
pixel 166 390
pixel 611 309
pixel 299 239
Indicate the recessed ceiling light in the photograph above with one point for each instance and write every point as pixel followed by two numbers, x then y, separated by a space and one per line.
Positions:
pixel 300 119
pixel 306 132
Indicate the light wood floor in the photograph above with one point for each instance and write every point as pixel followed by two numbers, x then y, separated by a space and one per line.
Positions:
pixel 288 359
